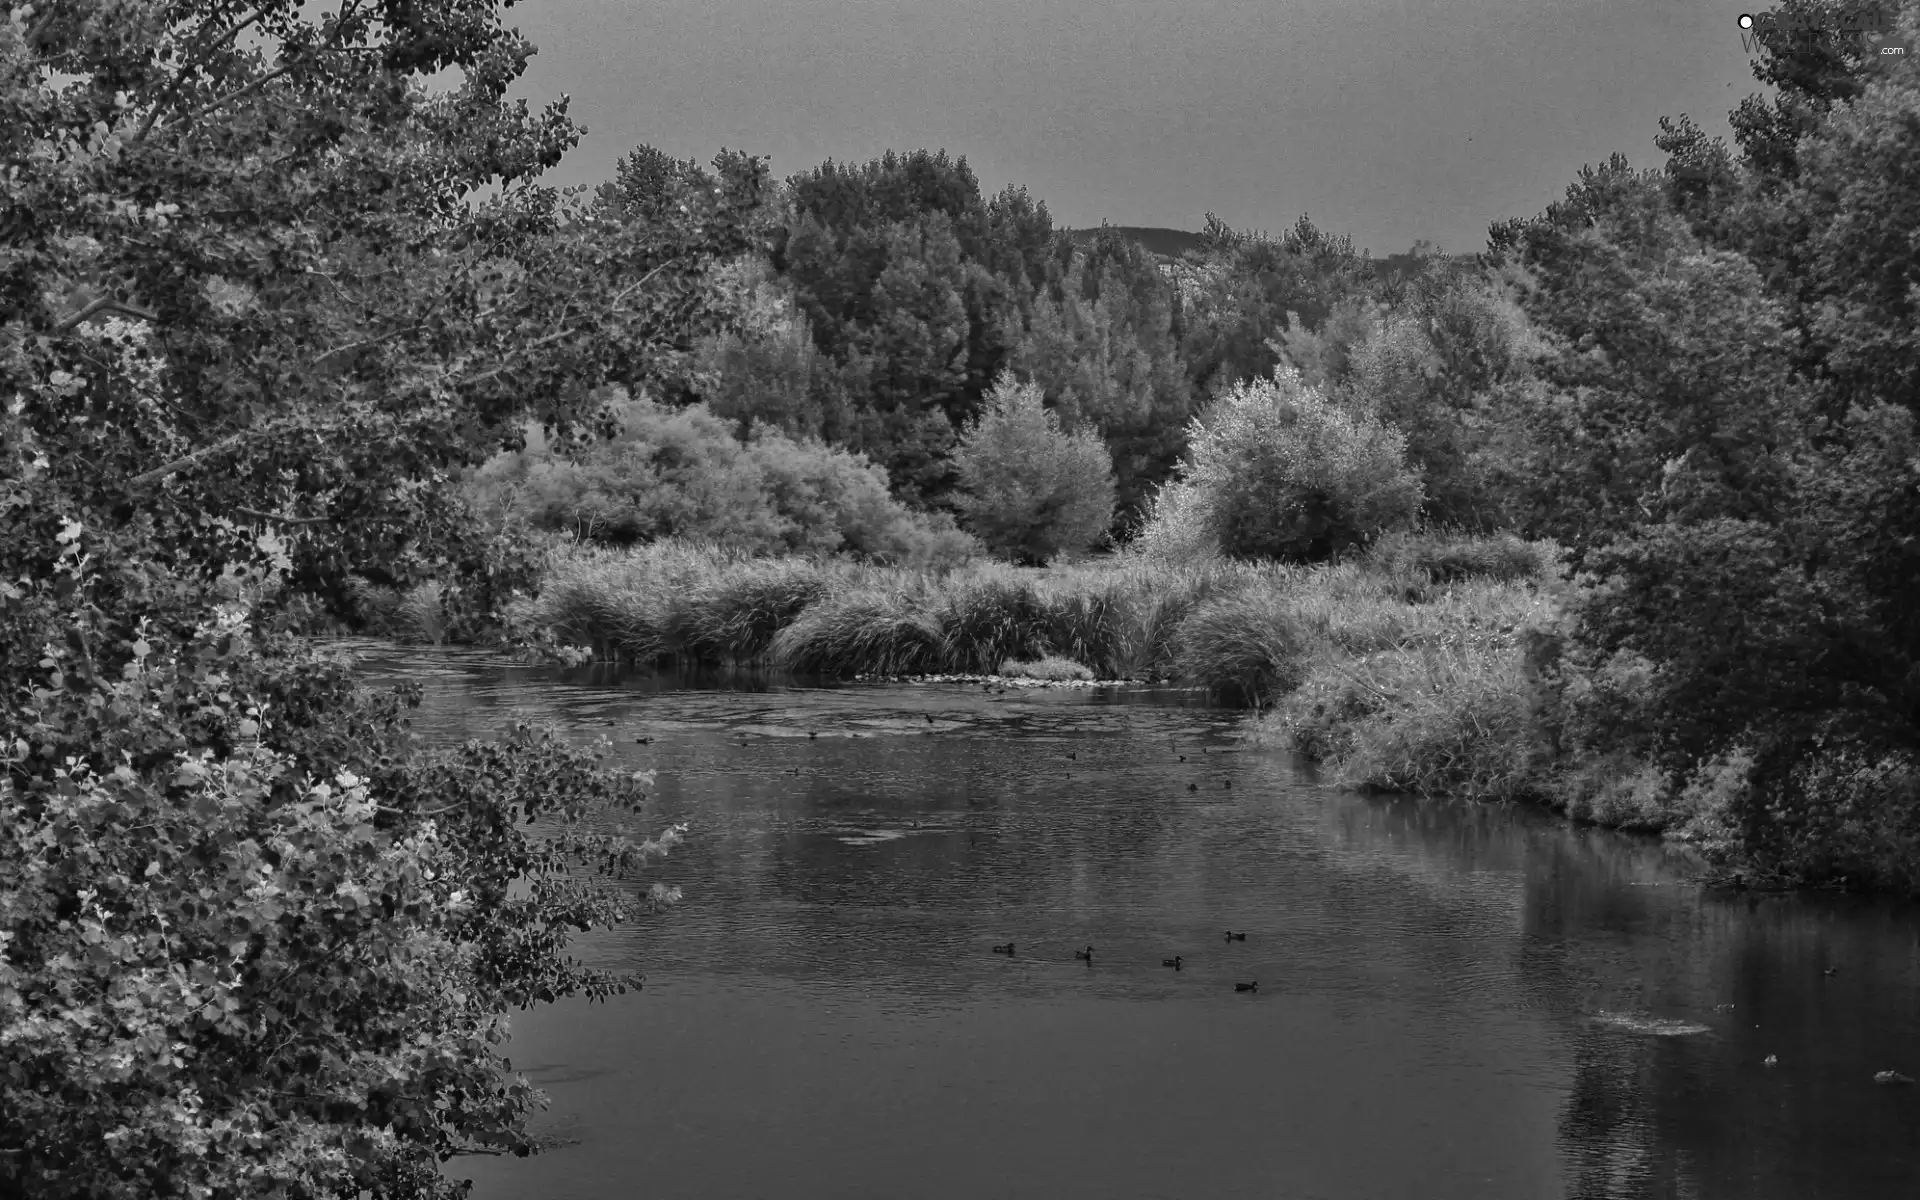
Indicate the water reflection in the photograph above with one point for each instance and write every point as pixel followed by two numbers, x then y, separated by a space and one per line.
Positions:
pixel 1455 1000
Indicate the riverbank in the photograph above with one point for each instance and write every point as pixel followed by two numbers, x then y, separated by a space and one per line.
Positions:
pixel 1428 665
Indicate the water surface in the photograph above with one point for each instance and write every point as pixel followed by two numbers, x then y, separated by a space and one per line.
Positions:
pixel 1455 1000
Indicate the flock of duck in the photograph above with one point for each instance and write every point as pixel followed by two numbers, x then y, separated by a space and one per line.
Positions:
pixel 1086 956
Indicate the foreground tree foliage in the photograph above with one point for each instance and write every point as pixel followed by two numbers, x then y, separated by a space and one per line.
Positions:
pixel 252 317
pixel 1731 449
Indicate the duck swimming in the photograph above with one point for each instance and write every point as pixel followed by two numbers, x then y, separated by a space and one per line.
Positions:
pixel 1006 949
pixel 1247 987
pixel 1890 1077
pixel 1173 962
pixel 1235 937
pixel 1084 955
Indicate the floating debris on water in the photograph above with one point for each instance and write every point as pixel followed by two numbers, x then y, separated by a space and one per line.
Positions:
pixel 1654 1026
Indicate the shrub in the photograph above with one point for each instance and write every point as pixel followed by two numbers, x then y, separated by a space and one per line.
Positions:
pixel 989 618
pixel 632 603
pixel 421 615
pixel 1445 558
pixel 1278 471
pixel 1244 645
pixel 1711 798
pixel 1175 526
pixel 683 474
pixel 735 615
pixel 1847 814
pixel 1441 368
pixel 870 631
pixel 1034 491
pixel 1089 620
pixel 1617 789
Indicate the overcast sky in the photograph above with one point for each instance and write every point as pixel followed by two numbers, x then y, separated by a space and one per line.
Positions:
pixel 1386 119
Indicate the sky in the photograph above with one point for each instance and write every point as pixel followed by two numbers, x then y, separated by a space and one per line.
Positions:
pixel 1389 120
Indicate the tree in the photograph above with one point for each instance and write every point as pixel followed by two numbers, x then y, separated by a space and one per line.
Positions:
pixel 1104 345
pixel 1443 367
pixel 1732 426
pixel 1033 490
pixel 1278 471
pixel 250 938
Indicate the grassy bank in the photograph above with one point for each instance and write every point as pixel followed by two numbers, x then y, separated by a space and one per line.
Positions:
pixel 1424 666
pixel 1410 617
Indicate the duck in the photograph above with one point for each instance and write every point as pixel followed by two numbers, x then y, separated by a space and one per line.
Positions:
pixel 1074 755
pixel 929 717
pixel 1247 987
pixel 1235 937
pixel 1084 955
pixel 1183 758
pixel 1771 1060
pixel 1891 1077
pixel 1193 787
pixel 1829 972
pixel 812 733
pixel 1227 784
pixel 1006 949
pixel 1173 962
pixel 644 741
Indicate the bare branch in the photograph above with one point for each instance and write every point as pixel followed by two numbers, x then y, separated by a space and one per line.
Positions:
pixel 98 305
pixel 363 343
pixel 148 478
pixel 283 519
pixel 239 93
pixel 612 309
pixel 173 89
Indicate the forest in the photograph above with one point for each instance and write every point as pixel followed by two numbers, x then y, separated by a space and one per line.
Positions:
pixel 1618 515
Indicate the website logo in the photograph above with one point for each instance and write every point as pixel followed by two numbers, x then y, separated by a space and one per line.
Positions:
pixel 1870 26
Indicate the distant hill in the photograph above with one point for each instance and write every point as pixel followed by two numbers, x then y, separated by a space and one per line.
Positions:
pixel 1172 243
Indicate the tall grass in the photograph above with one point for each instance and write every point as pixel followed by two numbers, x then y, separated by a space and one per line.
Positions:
pixel 1418 680
pixel 873 630
pixel 1374 663
pixel 1243 644
pixel 626 604
pixel 734 615
pixel 989 616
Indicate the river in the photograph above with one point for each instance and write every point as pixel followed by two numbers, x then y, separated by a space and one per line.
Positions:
pixel 1455 1000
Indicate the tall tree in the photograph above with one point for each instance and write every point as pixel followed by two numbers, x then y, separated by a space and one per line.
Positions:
pixel 253 313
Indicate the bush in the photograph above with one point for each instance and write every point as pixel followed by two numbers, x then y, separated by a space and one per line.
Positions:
pixel 1447 558
pixel 1244 645
pixel 1844 814
pixel 1278 471
pixel 987 619
pixel 629 603
pixel 734 615
pixel 683 474
pixel 870 631
pixel 1034 491
pixel 1443 368
pixel 1090 620
pixel 1445 723
pixel 1617 789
